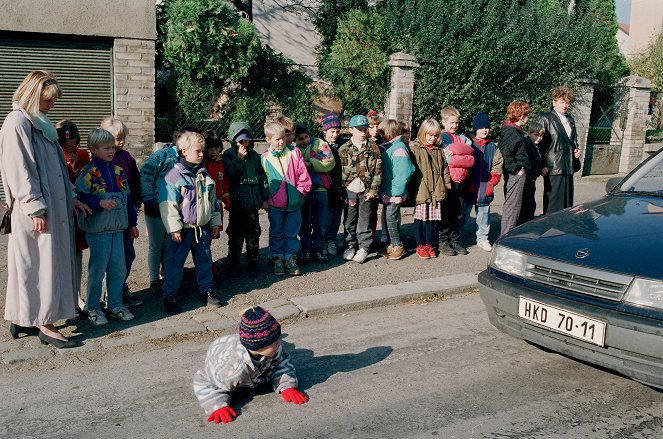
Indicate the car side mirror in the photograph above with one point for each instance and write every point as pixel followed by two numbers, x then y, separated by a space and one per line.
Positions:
pixel 612 183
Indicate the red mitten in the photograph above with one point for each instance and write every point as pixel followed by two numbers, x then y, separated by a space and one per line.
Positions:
pixel 293 395
pixel 224 414
pixel 494 178
pixel 489 189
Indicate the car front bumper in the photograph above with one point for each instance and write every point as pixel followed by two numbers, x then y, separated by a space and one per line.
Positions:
pixel 633 344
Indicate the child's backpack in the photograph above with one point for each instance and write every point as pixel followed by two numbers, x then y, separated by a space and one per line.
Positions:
pixel 413 184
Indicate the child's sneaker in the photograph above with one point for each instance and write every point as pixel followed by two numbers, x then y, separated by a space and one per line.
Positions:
pixel 120 313
pixel 129 299
pixel 155 287
pixel 446 249
pixel 396 253
pixel 349 254
pixel 279 270
pixel 386 251
pixel 305 258
pixel 361 256
pixel 97 317
pixel 291 266
pixel 331 248
pixel 431 251
pixel 422 252
pixel 210 298
pixel 170 305
pixel 321 257
pixel 485 245
pixel 459 248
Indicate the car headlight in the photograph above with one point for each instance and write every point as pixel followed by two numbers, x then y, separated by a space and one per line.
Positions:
pixel 509 261
pixel 645 292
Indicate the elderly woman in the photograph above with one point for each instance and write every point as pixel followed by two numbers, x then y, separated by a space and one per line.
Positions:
pixel 516 162
pixel 40 255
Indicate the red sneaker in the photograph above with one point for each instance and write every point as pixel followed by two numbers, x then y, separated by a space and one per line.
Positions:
pixel 431 251
pixel 422 252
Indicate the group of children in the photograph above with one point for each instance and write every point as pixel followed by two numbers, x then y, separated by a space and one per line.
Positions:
pixel 307 184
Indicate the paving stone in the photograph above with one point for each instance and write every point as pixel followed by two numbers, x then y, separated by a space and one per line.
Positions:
pixel 206 317
pixel 285 312
pixel 270 305
pixel 19 355
pixel 384 294
pixel 221 324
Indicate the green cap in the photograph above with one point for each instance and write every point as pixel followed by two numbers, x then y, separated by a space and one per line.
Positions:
pixel 359 121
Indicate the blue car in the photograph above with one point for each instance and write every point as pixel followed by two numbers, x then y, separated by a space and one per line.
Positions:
pixel 587 281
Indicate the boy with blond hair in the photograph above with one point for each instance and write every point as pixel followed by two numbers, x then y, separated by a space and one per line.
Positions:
pixel 288 182
pixel 192 216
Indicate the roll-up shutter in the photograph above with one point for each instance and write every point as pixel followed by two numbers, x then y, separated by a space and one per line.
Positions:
pixel 83 69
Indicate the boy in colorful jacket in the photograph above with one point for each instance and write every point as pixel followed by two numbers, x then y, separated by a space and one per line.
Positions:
pixel 103 186
pixel 361 175
pixel 288 182
pixel 486 172
pixel 248 194
pixel 191 215
pixel 319 161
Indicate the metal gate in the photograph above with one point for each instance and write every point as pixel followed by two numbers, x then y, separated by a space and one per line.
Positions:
pixel 606 131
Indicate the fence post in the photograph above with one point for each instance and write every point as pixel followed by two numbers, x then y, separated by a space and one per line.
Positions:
pixel 635 130
pixel 582 110
pixel 401 94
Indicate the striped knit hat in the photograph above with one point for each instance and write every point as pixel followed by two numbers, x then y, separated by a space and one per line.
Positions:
pixel 258 329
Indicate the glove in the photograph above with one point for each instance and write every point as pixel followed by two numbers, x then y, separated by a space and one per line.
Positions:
pixel 226 203
pixel 489 189
pixel 494 178
pixel 293 395
pixel 224 414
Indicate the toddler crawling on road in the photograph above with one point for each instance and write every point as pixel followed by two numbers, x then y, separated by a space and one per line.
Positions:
pixel 247 359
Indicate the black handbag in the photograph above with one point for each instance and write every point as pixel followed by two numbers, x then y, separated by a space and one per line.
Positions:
pixel 6 217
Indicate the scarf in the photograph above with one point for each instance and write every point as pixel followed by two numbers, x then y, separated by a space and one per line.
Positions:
pixel 45 126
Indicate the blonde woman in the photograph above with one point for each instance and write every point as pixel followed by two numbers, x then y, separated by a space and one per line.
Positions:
pixel 41 250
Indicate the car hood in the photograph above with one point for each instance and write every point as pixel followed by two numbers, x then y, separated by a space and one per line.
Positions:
pixel 618 233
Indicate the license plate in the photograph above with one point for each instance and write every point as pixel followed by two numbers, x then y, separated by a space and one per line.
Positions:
pixel 562 321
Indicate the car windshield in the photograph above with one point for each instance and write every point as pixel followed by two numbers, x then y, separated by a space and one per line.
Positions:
pixel 647 179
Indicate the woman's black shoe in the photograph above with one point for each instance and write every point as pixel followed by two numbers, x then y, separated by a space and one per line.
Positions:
pixel 16 330
pixel 45 339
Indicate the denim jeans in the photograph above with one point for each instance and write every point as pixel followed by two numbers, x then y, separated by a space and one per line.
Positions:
pixel 315 220
pixel 483 220
pixel 358 220
pixel 202 260
pixel 106 259
pixel 283 229
pixel 158 240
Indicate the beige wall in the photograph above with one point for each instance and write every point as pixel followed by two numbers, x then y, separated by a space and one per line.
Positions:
pixel 108 18
pixel 646 20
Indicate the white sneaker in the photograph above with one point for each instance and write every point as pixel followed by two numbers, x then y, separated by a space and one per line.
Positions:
pixel 349 254
pixel 120 313
pixel 331 248
pixel 361 256
pixel 97 317
pixel 484 245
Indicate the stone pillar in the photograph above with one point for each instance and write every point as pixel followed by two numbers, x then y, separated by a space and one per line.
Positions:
pixel 401 94
pixel 582 110
pixel 633 140
pixel 133 91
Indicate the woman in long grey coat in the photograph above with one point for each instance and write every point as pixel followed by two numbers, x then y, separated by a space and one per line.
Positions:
pixel 40 255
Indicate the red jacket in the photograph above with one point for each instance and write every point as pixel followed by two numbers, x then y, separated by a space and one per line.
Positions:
pixel 218 173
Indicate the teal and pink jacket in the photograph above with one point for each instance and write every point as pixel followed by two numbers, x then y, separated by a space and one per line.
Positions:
pixel 287 178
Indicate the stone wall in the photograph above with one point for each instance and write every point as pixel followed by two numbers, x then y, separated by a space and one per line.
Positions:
pixel 133 91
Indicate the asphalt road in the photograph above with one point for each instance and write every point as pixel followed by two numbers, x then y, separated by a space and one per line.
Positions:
pixel 418 370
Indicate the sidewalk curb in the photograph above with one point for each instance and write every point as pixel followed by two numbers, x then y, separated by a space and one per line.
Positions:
pixel 341 301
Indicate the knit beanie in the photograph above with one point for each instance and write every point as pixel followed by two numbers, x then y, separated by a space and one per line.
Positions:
pixel 301 129
pixel 330 121
pixel 481 120
pixel 258 329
